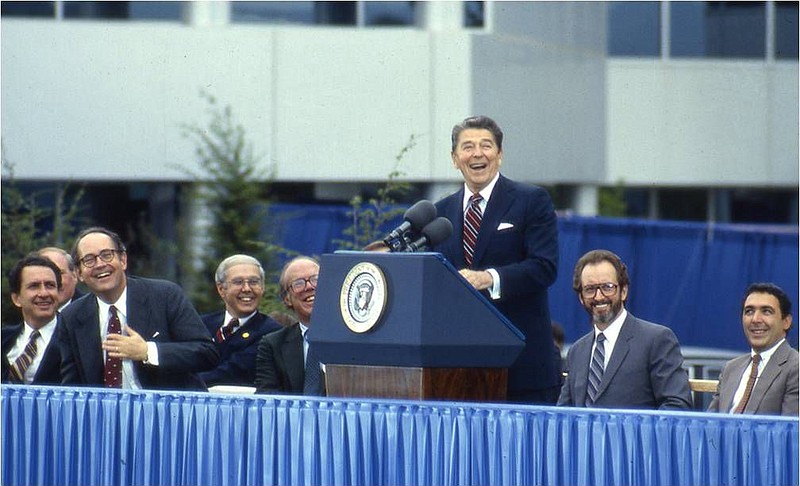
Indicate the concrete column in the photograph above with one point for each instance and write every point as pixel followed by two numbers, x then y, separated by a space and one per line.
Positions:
pixel 206 13
pixel 439 16
pixel 585 200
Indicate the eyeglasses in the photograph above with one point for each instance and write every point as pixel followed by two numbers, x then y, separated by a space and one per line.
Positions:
pixel 299 284
pixel 607 289
pixel 254 283
pixel 90 260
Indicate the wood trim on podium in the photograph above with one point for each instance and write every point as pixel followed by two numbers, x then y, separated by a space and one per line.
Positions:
pixel 467 384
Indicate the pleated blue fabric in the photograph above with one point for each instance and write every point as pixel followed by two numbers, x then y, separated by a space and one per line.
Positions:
pixel 68 436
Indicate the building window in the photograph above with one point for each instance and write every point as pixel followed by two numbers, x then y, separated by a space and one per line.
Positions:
pixel 389 13
pixel 273 12
pixel 27 9
pixel 474 14
pixel 718 29
pixel 634 29
pixel 786 32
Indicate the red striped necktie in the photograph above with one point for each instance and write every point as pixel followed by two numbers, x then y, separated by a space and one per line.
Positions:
pixel 472 224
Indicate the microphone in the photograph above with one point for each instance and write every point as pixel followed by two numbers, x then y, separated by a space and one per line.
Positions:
pixel 433 233
pixel 415 218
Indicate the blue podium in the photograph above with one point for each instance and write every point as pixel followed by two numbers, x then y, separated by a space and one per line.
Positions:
pixel 407 325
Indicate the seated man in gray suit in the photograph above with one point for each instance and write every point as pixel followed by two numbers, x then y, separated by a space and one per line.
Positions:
pixel 624 362
pixel 765 380
pixel 285 361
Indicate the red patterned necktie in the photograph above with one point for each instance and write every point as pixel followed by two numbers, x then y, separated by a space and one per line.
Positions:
pixel 226 331
pixel 472 224
pixel 751 382
pixel 113 366
pixel 24 360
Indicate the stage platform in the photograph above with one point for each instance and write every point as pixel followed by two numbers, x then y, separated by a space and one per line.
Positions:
pixel 90 436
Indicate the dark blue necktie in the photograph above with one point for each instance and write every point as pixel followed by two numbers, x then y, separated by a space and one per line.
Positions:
pixel 312 381
pixel 596 369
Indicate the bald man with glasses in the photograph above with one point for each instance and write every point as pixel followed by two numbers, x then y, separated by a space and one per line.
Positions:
pixel 624 361
pixel 285 361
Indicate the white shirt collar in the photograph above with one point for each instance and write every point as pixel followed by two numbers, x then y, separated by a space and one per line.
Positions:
pixel 485 193
pixel 767 354
pixel 122 308
pixel 45 331
pixel 242 320
pixel 612 331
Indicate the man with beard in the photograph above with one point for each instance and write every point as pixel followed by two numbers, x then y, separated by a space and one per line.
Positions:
pixel 624 362
pixel 238 329
pixel 285 362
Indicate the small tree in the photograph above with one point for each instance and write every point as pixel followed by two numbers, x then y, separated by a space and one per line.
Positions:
pixel 234 190
pixel 23 221
pixel 370 217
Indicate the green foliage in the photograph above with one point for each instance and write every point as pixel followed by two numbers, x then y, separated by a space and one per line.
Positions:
pixel 611 201
pixel 369 217
pixel 233 188
pixel 23 218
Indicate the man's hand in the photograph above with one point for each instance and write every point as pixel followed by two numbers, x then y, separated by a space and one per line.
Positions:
pixel 480 279
pixel 131 346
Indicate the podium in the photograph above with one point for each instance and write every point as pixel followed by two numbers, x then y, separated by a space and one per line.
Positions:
pixel 407 325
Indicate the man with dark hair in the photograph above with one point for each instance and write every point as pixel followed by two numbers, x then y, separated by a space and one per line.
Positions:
pixel 30 348
pixel 285 362
pixel 624 362
pixel 69 274
pixel 505 244
pixel 132 332
pixel 765 380
pixel 238 329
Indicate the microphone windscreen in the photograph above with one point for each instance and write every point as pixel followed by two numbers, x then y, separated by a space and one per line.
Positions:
pixel 420 214
pixel 438 230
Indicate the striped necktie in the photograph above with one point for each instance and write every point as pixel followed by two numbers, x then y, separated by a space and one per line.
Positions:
pixel 227 330
pixel 24 360
pixel 751 382
pixel 596 369
pixel 472 224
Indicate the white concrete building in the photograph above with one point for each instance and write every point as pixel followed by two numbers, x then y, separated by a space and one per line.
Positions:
pixel 331 99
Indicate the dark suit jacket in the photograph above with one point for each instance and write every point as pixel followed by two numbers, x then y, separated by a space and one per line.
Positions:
pixel 160 312
pixel 775 392
pixel 280 366
pixel 237 354
pixel 49 372
pixel 526 258
pixel 644 370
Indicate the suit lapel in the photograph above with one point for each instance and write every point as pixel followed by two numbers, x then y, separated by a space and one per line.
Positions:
pixel 737 369
pixel 582 359
pixel 621 349
pixel 292 352
pixel 768 376
pixel 87 335
pixel 499 202
pixel 454 211
pixel 138 309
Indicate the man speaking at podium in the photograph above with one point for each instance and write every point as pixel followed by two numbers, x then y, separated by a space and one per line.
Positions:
pixel 505 244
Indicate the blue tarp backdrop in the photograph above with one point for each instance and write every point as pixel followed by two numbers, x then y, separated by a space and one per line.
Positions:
pixel 688 276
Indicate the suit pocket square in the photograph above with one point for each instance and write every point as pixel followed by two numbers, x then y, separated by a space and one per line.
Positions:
pixel 504 226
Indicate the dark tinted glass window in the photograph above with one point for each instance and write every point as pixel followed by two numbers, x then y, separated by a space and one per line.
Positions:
pixel 717 29
pixel 273 12
pixel 155 10
pixel 27 9
pixel 96 10
pixel 325 13
pixel 473 14
pixel 389 13
pixel 634 29
pixel 786 33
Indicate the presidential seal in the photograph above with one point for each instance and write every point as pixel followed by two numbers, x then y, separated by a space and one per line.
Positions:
pixel 363 297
